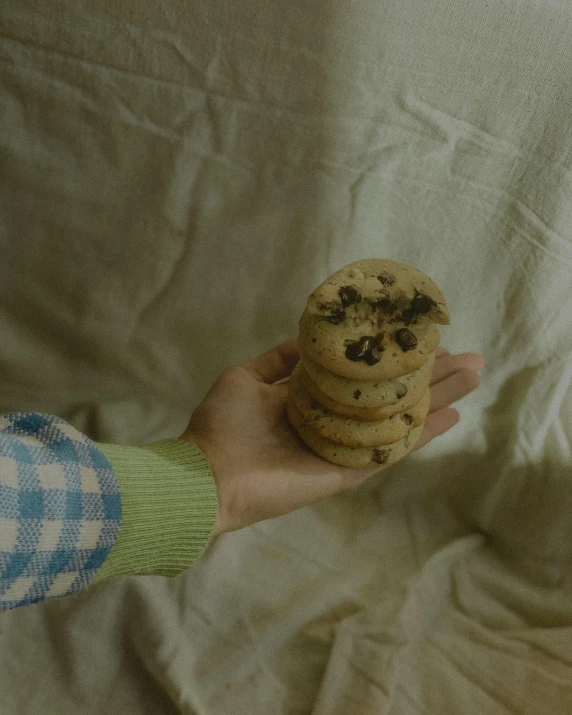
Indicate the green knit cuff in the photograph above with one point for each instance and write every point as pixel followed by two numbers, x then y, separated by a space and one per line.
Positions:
pixel 169 504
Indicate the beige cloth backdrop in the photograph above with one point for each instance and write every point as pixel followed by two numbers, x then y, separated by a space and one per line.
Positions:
pixel 176 177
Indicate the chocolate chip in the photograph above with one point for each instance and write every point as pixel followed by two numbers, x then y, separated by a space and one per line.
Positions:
pixel 371 349
pixel 371 359
pixel 314 340
pixel 380 456
pixel 406 339
pixel 336 316
pixel 366 350
pixel 354 352
pixel 422 303
pixel 400 389
pixel 408 316
pixel 407 419
pixel 384 305
pixel 386 279
pixel 349 296
pixel 357 394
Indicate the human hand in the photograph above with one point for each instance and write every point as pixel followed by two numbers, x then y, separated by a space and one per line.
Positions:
pixel 261 467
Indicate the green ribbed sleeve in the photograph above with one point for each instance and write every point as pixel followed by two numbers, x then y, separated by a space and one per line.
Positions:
pixel 169 504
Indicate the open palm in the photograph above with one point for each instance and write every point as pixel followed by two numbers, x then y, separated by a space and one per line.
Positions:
pixel 261 467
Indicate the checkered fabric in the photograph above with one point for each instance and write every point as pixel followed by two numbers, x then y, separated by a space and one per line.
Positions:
pixel 60 509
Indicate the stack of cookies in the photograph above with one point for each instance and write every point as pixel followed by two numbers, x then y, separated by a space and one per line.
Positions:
pixel 360 394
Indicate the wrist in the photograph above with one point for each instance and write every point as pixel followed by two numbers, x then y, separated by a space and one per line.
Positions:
pixel 170 508
pixel 210 454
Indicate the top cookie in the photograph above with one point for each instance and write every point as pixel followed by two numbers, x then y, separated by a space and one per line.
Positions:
pixel 373 320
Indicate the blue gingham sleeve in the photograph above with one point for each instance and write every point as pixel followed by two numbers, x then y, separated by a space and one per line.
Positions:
pixel 60 509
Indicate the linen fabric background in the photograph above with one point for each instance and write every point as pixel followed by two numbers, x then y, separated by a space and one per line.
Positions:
pixel 176 177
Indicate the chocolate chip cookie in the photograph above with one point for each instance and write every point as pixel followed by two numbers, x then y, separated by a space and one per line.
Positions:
pixel 350 432
pixel 360 399
pixel 373 320
pixel 355 457
pixel 370 357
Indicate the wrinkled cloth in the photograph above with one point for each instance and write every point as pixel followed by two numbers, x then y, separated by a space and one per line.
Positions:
pixel 176 177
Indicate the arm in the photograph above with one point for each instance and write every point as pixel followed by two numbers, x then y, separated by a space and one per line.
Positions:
pixel 60 509
pixel 73 512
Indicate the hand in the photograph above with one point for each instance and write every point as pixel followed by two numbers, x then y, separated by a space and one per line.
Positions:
pixel 261 467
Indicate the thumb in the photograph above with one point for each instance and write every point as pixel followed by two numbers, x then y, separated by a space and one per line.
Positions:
pixel 275 364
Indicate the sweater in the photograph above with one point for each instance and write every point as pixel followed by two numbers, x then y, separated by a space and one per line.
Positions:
pixel 74 512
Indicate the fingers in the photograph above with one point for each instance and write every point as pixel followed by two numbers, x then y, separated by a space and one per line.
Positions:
pixel 275 364
pixel 436 424
pixel 452 388
pixel 281 391
pixel 439 352
pixel 447 364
